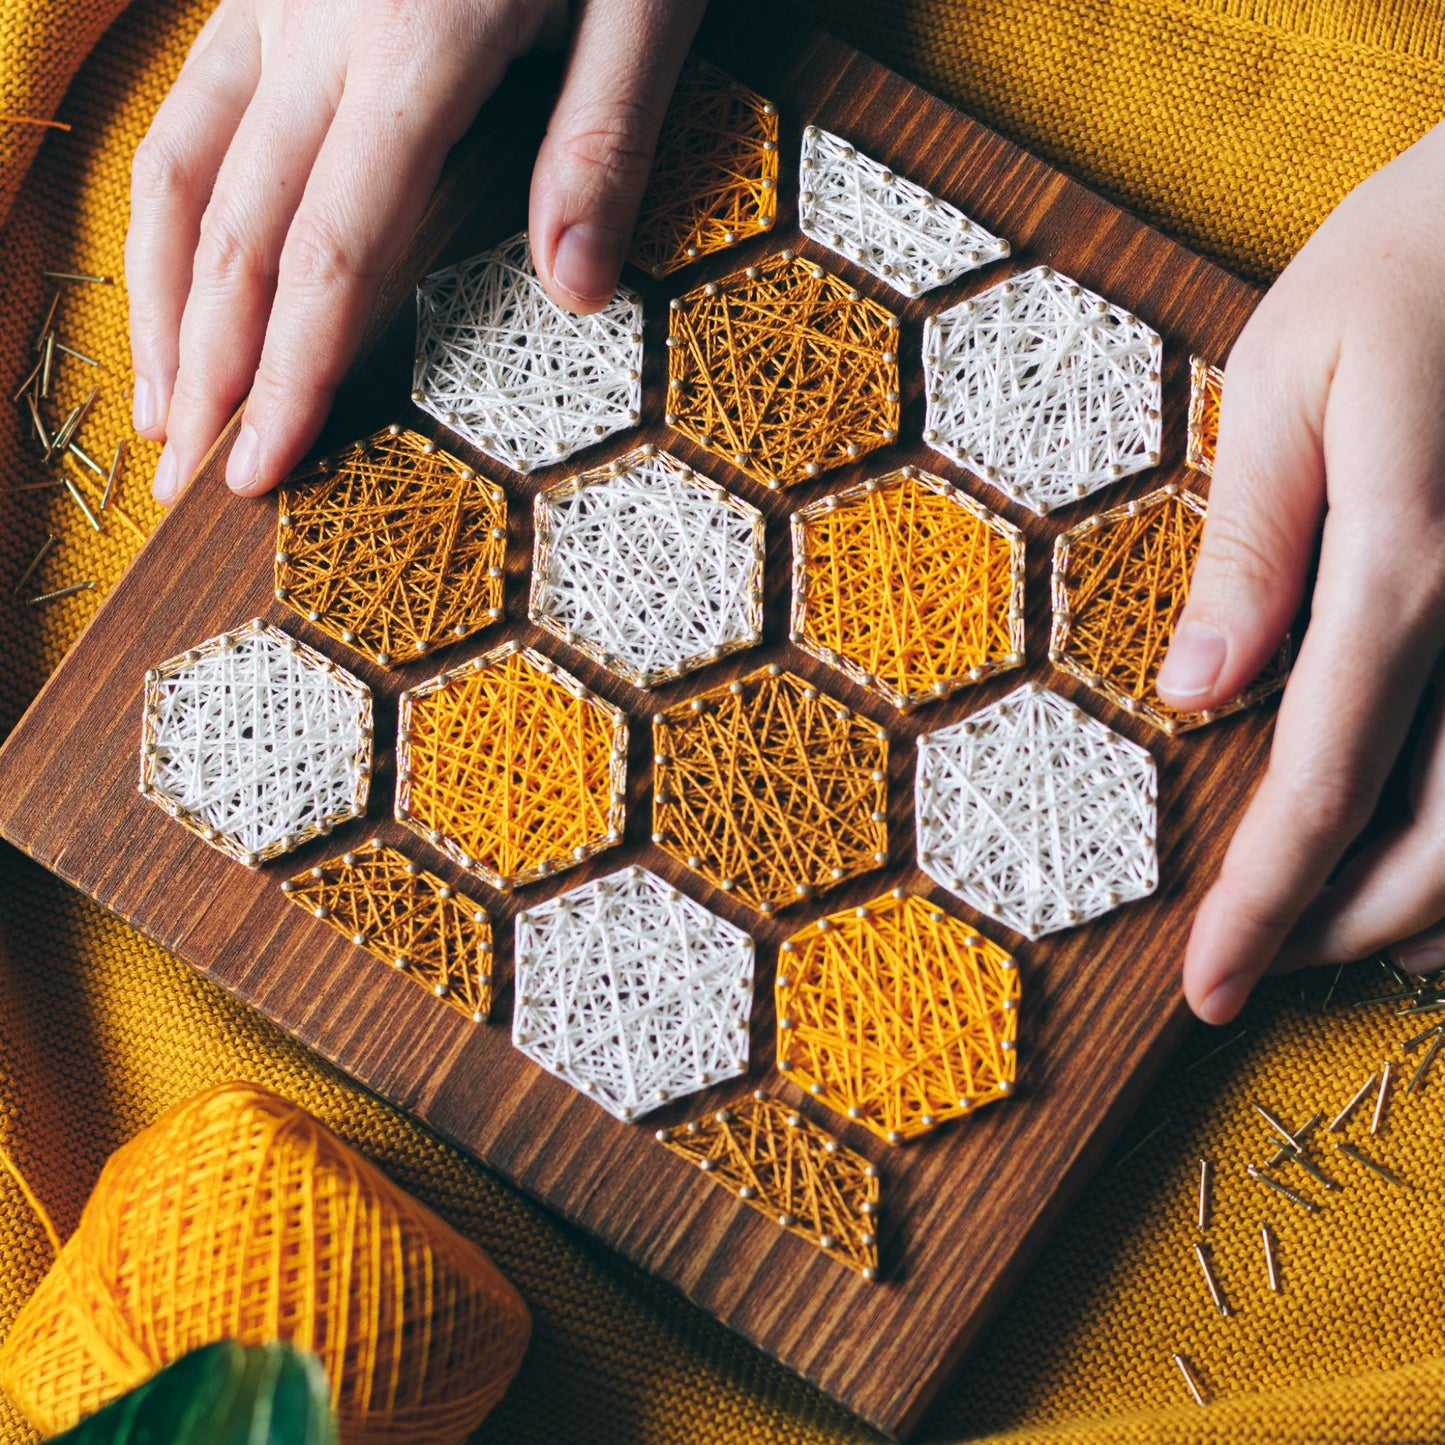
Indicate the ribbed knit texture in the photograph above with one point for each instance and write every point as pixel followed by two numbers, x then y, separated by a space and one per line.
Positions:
pixel 1236 124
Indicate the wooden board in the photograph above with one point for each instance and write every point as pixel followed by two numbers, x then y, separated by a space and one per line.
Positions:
pixel 964 1210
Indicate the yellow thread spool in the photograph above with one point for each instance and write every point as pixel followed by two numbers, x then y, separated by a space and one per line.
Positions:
pixel 236 1215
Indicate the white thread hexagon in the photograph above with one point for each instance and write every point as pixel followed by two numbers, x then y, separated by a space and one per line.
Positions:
pixel 255 742
pixel 519 377
pixel 1042 388
pixel 647 567
pixel 890 226
pixel 632 992
pixel 1035 813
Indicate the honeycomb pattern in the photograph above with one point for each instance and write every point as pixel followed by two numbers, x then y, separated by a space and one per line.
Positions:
pixel 509 765
pixel 897 1015
pixel 648 568
pixel 392 546
pixel 908 586
pixel 783 369
pixel 770 789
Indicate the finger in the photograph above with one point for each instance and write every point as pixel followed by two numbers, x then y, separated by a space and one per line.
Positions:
pixel 594 163
pixel 237 259
pixel 1395 888
pixel 1265 504
pixel 371 181
pixel 172 175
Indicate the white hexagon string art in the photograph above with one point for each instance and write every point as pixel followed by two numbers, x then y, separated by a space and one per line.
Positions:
pixel 647 567
pixel 519 377
pixel 1035 813
pixel 256 742
pixel 1043 389
pixel 888 225
pixel 631 992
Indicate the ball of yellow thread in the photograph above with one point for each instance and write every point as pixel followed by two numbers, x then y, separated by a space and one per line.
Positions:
pixel 236 1215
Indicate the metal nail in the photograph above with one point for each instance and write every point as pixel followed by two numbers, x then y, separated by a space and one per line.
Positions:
pixel 35 562
pixel 1337 1124
pixel 60 592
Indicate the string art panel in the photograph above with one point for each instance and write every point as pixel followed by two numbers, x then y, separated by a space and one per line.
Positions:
pixel 511 767
pixel 1042 388
pixel 1036 814
pixel 787 1167
pixel 631 992
pixel 392 547
pixel 255 742
pixel 521 378
pixel 770 789
pixel 909 586
pixel 1121 579
pixel 407 917
pixel 783 369
pixel 647 567
pixel 888 225
pixel 1206 390
pixel 898 1015
pixel 715 177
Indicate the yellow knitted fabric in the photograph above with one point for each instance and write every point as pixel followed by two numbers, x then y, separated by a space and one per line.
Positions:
pixel 1234 123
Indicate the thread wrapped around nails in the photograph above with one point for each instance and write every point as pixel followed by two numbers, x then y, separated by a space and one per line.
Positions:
pixel 236 1215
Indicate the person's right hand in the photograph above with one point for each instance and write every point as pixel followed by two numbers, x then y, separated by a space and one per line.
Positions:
pixel 292 160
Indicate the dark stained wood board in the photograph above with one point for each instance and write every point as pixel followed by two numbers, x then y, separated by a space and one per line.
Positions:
pixel 965 1209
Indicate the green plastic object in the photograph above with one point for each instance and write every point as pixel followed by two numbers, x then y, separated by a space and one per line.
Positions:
pixel 221 1394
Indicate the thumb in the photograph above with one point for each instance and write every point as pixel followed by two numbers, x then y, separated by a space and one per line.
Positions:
pixel 594 163
pixel 1266 502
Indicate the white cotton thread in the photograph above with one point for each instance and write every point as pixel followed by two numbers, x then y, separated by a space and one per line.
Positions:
pixel 890 226
pixel 256 742
pixel 649 568
pixel 1043 389
pixel 1035 813
pixel 527 382
pixel 632 992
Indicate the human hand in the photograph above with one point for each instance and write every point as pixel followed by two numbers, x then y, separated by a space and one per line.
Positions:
pixel 293 158
pixel 1332 428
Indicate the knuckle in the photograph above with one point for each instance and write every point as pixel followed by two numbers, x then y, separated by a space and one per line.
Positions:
pixel 608 139
pixel 315 256
pixel 226 252
pixel 161 169
pixel 1329 805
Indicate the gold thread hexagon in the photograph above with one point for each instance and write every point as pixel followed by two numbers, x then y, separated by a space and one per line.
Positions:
pixel 715 178
pixel 413 920
pixel 1120 582
pixel 392 546
pixel 908 586
pixel 511 767
pixel 1206 391
pixel 898 1015
pixel 780 1163
pixel 770 789
pixel 784 369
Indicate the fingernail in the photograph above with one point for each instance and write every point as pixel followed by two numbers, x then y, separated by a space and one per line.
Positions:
pixel 245 455
pixel 1425 958
pixel 1193 661
pixel 143 406
pixel 588 261
pixel 165 482
pixel 1225 999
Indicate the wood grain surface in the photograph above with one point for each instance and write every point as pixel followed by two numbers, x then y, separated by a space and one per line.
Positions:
pixel 963 1210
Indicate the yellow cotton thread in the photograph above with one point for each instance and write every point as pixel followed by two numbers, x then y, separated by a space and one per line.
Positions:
pixel 236 1215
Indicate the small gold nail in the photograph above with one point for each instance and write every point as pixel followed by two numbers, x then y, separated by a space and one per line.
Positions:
pixel 1337 1124
pixel 78 355
pixel 1205 1172
pixel 1195 1388
pixel 63 592
pixel 1271 1268
pixel 1274 1123
pixel 35 562
pixel 77 276
pixel 110 476
pixel 74 449
pixel 1304 1130
pixel 49 317
pixel 82 503
pixel 1284 1189
pixel 1215 1293
pixel 1417 1079
pixel 47 363
pixel 1388 1175
pixel 1303 1160
pixel 1379 1114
